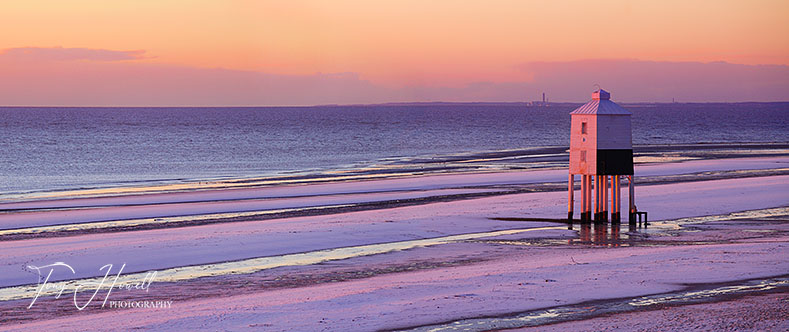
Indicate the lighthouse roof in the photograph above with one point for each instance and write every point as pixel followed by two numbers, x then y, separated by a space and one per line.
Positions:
pixel 601 104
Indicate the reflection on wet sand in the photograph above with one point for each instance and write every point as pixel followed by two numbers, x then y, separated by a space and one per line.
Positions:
pixel 598 234
pixel 604 234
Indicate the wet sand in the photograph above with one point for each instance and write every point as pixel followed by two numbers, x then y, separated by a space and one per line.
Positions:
pixel 409 253
pixel 766 313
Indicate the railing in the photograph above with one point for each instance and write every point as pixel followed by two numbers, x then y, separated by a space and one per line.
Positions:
pixel 637 217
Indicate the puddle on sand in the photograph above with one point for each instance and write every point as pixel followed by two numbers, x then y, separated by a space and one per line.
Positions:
pixel 612 235
pixel 589 310
pixel 591 234
pixel 249 265
pixel 627 235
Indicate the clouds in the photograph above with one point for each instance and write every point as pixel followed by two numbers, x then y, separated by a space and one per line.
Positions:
pixel 92 79
pixel 78 76
pixel 636 80
pixel 67 54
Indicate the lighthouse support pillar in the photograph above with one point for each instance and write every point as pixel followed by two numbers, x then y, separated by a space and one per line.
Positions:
pixel 583 196
pixel 632 199
pixel 570 193
pixel 615 199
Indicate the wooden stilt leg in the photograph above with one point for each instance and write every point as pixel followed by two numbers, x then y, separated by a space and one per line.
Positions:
pixel 585 200
pixel 604 203
pixel 589 193
pixel 632 199
pixel 570 193
pixel 615 197
pixel 597 185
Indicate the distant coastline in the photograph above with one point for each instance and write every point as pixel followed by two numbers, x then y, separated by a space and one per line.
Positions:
pixel 526 103
pixel 414 103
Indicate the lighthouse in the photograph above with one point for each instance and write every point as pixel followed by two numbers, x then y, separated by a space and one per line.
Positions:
pixel 601 152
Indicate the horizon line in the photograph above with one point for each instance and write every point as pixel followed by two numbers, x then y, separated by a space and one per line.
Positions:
pixel 403 103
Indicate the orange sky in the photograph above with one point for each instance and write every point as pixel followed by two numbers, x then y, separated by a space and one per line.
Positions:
pixel 406 42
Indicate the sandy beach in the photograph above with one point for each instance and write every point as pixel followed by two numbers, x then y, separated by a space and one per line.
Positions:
pixel 422 166
pixel 466 251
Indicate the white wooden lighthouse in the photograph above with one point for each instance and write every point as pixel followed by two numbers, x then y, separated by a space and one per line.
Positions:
pixel 601 151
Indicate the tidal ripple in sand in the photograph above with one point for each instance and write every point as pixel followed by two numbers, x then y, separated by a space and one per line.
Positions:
pixel 161 220
pixel 598 308
pixel 248 265
pixel 74 219
pixel 752 214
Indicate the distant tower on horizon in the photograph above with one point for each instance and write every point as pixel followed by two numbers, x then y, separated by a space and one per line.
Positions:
pixel 544 101
pixel 601 150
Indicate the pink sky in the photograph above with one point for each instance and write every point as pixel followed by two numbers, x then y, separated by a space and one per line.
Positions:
pixel 315 52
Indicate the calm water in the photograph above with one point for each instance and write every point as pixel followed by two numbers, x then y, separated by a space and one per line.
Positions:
pixel 68 148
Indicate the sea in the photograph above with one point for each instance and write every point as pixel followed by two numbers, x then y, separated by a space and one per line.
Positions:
pixel 51 149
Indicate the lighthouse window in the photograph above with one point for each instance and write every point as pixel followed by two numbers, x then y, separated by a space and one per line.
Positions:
pixel 583 127
pixel 583 155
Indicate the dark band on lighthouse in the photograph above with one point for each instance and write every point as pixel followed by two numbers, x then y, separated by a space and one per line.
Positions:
pixel 615 162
